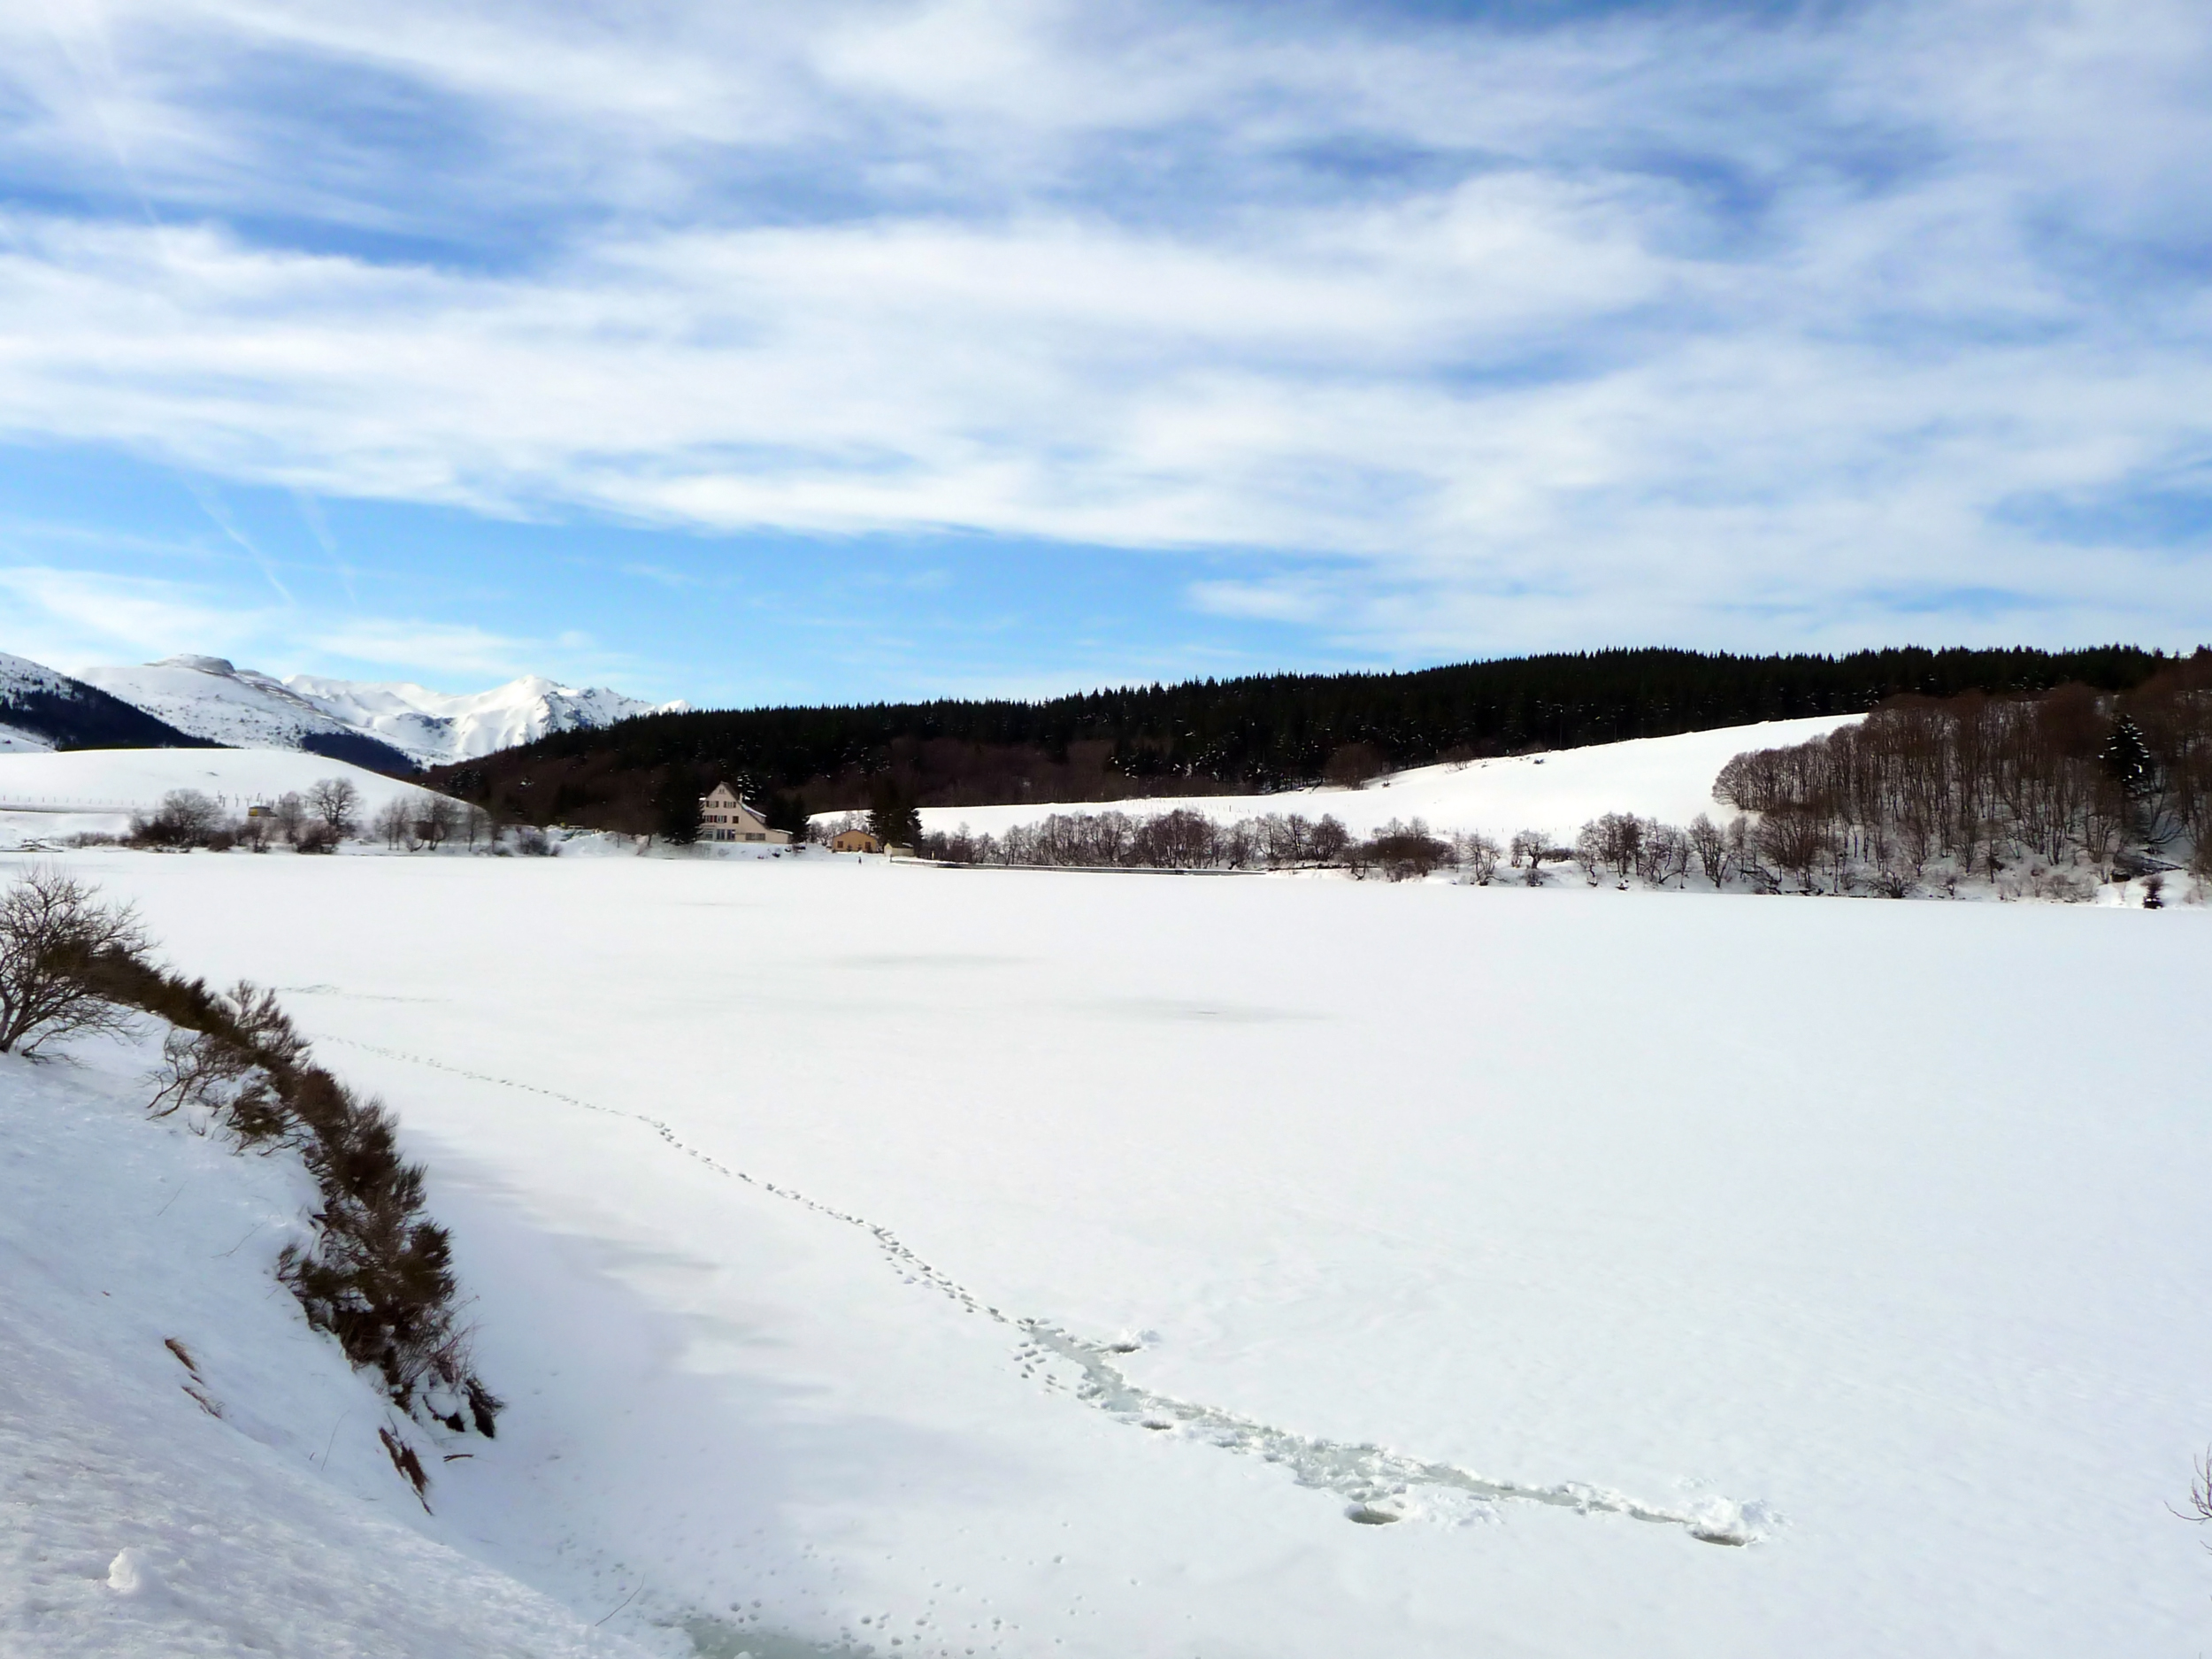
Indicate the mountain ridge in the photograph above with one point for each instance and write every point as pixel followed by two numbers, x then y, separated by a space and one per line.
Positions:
pixel 387 726
pixel 43 709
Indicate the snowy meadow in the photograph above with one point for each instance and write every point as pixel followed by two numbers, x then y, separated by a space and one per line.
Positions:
pixel 883 1258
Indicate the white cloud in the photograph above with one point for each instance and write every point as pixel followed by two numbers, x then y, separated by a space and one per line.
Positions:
pixel 71 619
pixel 1669 327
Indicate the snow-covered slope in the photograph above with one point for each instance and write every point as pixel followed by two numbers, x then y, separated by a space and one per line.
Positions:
pixel 1666 778
pixel 186 1468
pixel 51 795
pixel 213 698
pixel 42 709
pixel 1084 1266
pixel 240 709
pixel 434 727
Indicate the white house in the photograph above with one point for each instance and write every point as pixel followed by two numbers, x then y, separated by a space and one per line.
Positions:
pixel 724 817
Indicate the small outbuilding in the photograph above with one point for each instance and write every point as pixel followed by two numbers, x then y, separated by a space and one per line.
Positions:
pixel 854 840
pixel 723 817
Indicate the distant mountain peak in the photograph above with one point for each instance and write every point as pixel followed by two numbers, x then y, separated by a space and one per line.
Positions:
pixel 389 724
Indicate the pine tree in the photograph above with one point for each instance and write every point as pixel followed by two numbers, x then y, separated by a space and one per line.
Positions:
pixel 892 817
pixel 2127 758
pixel 676 809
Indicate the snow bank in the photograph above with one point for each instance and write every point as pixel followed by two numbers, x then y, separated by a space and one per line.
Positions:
pixel 1038 1263
pixel 1667 778
pixel 185 1467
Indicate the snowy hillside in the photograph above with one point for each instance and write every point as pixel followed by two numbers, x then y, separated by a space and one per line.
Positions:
pixel 240 708
pixel 42 709
pixel 214 699
pixel 907 1260
pixel 185 1467
pixel 1666 778
pixel 47 795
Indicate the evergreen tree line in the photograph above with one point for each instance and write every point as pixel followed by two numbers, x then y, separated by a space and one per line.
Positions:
pixel 1251 734
pixel 2077 777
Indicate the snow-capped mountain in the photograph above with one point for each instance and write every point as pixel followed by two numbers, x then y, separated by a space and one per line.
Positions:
pixel 43 710
pixel 389 727
pixel 435 727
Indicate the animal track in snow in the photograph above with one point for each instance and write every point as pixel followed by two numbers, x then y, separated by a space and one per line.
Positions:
pixel 1380 1486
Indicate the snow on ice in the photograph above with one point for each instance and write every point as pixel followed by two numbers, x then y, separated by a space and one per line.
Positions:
pixel 886 1259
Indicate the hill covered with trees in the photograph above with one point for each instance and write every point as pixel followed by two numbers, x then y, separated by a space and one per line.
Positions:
pixel 1255 733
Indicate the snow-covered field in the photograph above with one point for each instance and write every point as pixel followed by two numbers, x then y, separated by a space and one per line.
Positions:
pixel 48 795
pixel 926 1261
pixel 1667 778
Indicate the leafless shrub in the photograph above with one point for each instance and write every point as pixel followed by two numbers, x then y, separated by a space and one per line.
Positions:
pixel 55 937
pixel 1891 883
pixel 410 1466
pixel 1477 855
pixel 228 1070
pixel 1399 852
pixel 2199 1492
pixel 186 818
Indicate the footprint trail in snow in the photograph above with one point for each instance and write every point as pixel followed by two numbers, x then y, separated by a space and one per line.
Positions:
pixel 1380 1486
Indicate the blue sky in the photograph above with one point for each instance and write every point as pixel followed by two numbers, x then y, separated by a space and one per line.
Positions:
pixel 756 353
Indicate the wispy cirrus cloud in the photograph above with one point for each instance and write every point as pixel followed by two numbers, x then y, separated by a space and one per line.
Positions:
pixel 1713 327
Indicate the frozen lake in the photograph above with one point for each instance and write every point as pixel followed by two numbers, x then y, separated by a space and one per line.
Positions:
pixel 1029 1262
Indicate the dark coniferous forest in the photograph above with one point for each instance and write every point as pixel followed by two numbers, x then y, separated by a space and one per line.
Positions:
pixel 1246 735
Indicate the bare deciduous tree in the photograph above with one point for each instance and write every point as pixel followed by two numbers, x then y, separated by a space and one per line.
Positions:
pixel 1665 855
pixel 1590 851
pixel 336 801
pixel 1795 842
pixel 1709 845
pixel 390 823
pixel 1477 855
pixel 55 933
pixel 439 820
